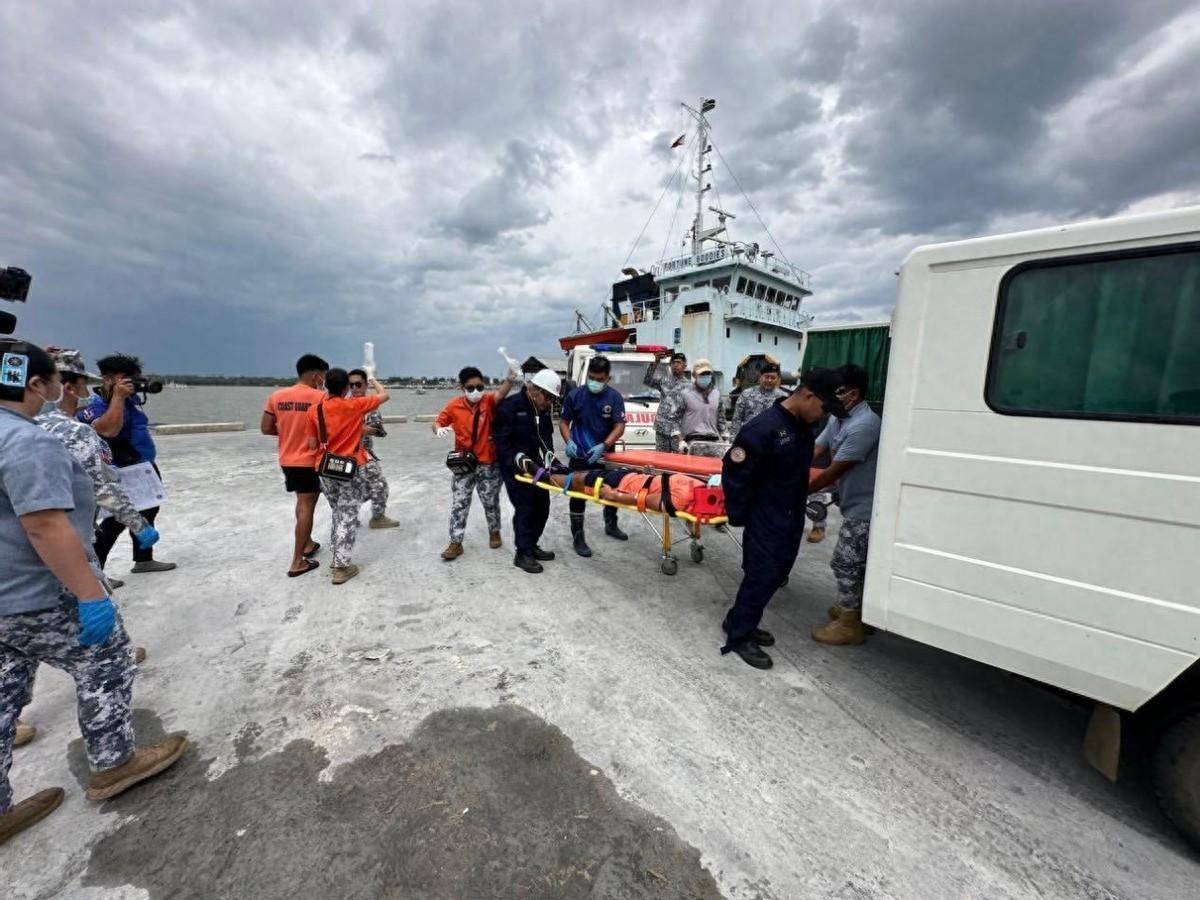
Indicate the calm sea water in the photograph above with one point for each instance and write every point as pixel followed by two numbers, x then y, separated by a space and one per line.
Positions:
pixel 181 405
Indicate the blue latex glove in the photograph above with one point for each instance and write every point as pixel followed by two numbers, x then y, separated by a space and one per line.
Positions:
pixel 573 450
pixel 595 453
pixel 147 537
pixel 714 480
pixel 96 621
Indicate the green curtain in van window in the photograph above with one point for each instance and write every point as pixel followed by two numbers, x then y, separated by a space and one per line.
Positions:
pixel 1117 337
pixel 868 347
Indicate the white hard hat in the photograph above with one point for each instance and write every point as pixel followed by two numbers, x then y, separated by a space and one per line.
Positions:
pixel 547 380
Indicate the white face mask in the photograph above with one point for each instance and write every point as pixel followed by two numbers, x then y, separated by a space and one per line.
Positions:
pixel 475 396
pixel 49 402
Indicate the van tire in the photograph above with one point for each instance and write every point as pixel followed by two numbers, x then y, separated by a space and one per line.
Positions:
pixel 1177 775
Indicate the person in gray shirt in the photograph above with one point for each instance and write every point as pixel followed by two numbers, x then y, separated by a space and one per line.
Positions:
pixel 852 441
pixel 53 607
pixel 701 416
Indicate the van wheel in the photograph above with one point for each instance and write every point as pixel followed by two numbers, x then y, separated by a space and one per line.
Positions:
pixel 1177 775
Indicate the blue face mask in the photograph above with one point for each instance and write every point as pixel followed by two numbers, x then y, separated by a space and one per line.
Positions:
pixel 703 381
pixel 595 386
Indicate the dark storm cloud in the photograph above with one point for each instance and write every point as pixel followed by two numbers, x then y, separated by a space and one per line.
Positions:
pixel 221 186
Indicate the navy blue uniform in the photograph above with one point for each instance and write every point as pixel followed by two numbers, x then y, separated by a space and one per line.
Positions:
pixel 592 417
pixel 765 477
pixel 517 427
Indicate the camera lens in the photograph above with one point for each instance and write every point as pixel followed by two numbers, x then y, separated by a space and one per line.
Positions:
pixel 154 387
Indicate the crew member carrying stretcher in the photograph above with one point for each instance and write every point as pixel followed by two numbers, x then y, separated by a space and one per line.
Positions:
pixel 765 476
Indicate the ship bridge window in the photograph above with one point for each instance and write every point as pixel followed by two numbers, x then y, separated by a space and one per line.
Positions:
pixel 693 308
pixel 741 284
pixel 771 295
pixel 760 291
pixel 721 284
pixel 700 284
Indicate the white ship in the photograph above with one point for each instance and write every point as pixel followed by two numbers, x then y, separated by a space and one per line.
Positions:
pixel 729 301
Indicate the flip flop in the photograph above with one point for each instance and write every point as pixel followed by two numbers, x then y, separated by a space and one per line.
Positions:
pixel 312 564
pixel 314 551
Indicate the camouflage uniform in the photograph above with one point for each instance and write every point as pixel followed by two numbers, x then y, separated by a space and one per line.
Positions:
pixel 751 402
pixel 345 498
pixel 376 483
pixel 485 481
pixel 849 561
pixel 103 675
pixel 666 420
pixel 89 450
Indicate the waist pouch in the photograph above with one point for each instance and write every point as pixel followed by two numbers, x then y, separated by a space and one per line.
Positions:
pixel 338 468
pixel 464 462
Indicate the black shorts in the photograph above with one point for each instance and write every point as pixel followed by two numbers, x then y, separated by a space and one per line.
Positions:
pixel 301 480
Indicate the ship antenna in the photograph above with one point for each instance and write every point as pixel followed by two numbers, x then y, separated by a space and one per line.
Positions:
pixel 703 167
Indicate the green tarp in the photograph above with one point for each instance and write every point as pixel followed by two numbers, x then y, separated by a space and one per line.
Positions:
pixel 868 347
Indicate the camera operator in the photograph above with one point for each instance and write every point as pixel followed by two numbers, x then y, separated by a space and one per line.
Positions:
pixel 116 414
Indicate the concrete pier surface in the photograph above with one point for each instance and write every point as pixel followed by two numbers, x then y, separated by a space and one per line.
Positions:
pixel 466 730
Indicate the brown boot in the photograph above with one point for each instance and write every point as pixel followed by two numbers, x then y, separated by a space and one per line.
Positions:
pixel 454 551
pixel 139 655
pixel 835 611
pixel 146 762
pixel 847 628
pixel 25 734
pixel 29 812
pixel 382 522
pixel 817 534
pixel 494 540
pixel 342 574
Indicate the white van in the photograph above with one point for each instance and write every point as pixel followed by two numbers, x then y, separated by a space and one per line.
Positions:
pixel 1037 503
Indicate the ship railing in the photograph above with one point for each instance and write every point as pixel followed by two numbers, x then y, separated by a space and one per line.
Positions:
pixel 768 313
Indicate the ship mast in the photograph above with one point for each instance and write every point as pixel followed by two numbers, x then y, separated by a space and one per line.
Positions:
pixel 700 234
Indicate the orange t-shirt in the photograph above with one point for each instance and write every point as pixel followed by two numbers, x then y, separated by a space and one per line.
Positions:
pixel 343 425
pixel 289 406
pixel 683 488
pixel 459 414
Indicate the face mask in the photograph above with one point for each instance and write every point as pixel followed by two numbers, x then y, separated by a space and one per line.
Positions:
pixel 49 403
pixel 703 381
pixel 836 409
pixel 595 386
pixel 475 396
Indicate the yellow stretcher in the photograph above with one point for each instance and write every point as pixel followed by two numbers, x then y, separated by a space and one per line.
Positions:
pixel 692 524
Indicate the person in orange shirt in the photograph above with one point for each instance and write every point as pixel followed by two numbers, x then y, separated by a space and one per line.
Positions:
pixel 343 436
pixel 286 416
pixel 469 418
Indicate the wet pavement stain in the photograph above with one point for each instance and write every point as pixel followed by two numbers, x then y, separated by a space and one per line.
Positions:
pixel 481 803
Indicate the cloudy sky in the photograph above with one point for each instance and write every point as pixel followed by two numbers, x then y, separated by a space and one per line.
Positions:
pixel 220 186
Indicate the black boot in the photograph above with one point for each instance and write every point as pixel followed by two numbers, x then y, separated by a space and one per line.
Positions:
pixel 760 636
pixel 542 555
pixel 581 546
pixel 753 655
pixel 527 563
pixel 611 528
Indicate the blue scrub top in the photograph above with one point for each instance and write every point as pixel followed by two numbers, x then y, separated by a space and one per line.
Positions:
pixel 592 417
pixel 134 433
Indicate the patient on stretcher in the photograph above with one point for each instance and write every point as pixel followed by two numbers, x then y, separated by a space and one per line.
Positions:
pixel 624 485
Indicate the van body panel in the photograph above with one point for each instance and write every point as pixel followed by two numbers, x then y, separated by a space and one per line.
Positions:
pixel 1063 549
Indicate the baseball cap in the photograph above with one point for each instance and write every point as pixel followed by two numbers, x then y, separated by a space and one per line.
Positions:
pixel 69 362
pixel 822 382
pixel 700 366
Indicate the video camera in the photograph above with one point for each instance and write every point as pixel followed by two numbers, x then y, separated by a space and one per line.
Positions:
pixel 14 286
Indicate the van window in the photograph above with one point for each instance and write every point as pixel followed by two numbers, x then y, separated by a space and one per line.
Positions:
pixel 1111 336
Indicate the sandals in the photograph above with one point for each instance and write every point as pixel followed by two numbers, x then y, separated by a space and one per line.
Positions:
pixel 311 564
pixel 314 551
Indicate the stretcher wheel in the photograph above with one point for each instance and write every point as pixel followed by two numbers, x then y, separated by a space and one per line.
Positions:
pixel 697 553
pixel 670 566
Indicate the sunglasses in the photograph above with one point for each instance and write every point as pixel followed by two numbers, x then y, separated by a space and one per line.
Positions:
pixel 358 384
